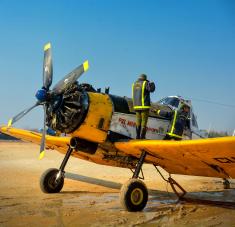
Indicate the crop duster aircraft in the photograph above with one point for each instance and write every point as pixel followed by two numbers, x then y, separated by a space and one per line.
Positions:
pixel 100 128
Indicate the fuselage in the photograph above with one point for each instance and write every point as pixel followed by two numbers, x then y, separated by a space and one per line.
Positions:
pixel 102 119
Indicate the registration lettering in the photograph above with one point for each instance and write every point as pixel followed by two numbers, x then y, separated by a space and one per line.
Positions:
pixel 225 160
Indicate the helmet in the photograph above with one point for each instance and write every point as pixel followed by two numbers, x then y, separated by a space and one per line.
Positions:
pixel 183 105
pixel 143 77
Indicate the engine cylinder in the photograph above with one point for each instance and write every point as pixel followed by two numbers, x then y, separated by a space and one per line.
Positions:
pixel 66 112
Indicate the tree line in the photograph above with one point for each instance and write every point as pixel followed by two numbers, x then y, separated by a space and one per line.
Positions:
pixel 213 134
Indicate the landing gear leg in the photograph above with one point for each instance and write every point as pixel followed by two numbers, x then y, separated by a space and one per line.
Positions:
pixel 134 193
pixel 52 180
pixel 139 165
pixel 63 164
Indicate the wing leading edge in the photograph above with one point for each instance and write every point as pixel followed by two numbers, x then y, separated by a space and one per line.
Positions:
pixel 52 142
pixel 207 157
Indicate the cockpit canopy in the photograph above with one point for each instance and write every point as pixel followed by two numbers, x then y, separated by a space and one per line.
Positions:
pixel 170 101
pixel 175 102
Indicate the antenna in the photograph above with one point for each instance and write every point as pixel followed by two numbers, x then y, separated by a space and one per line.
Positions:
pixel 209 129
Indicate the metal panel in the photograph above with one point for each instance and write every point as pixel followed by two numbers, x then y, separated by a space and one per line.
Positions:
pixel 125 124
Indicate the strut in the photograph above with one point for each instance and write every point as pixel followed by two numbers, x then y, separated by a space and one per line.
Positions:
pixel 139 165
pixel 173 184
pixel 72 146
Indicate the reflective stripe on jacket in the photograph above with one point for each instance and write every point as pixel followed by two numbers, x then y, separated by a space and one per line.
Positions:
pixel 177 128
pixel 178 122
pixel 140 95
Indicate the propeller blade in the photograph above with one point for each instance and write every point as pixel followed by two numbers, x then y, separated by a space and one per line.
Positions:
pixel 42 145
pixel 47 67
pixel 20 115
pixel 69 79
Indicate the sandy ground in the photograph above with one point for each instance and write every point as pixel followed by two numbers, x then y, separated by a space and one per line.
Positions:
pixel 90 196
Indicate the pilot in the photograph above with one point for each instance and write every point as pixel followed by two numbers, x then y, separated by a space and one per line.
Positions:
pixel 179 121
pixel 141 103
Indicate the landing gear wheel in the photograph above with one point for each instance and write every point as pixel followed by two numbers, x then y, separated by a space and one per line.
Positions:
pixel 134 195
pixel 48 182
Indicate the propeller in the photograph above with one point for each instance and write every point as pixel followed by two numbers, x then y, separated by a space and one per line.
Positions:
pixel 20 115
pixel 47 67
pixel 46 97
pixel 69 79
pixel 42 95
pixel 42 145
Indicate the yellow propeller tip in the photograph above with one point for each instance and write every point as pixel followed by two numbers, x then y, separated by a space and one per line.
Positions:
pixel 41 155
pixel 9 123
pixel 86 66
pixel 47 46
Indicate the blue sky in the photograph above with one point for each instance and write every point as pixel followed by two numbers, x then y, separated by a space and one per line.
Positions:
pixel 186 47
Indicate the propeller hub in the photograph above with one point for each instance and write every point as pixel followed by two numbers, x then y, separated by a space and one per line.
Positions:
pixel 41 95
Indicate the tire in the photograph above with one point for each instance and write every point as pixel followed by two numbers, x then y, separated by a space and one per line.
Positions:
pixel 134 195
pixel 48 183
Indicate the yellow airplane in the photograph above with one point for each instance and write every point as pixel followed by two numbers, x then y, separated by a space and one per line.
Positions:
pixel 98 127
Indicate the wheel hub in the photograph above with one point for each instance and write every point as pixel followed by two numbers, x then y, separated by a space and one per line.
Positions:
pixel 137 196
pixel 55 180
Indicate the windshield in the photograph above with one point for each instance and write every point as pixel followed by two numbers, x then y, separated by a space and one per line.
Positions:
pixel 170 101
pixel 194 121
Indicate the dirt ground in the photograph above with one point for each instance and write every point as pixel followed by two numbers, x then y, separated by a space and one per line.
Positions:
pixel 90 196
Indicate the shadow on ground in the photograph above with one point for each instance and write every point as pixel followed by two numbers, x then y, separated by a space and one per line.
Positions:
pixel 212 198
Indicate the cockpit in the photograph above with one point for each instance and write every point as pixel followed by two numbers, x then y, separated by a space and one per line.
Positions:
pixel 170 101
pixel 175 102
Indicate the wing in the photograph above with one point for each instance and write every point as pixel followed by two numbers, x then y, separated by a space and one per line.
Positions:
pixel 207 157
pixel 52 142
